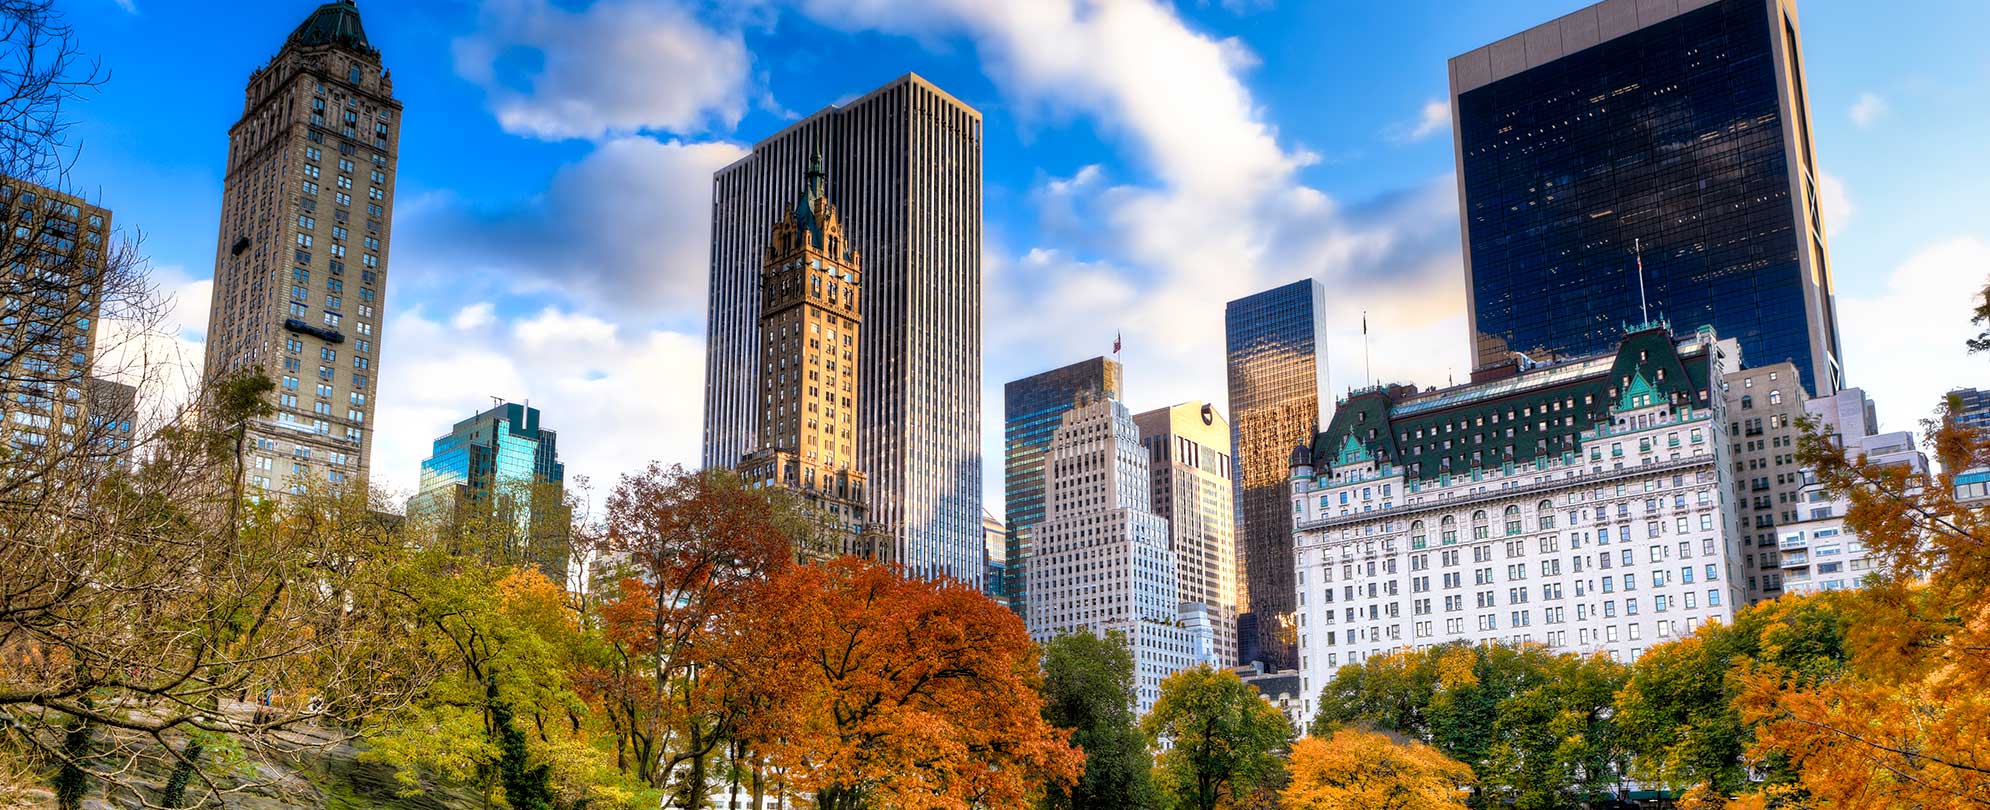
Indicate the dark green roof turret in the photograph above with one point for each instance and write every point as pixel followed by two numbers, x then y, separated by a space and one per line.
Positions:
pixel 812 190
pixel 334 23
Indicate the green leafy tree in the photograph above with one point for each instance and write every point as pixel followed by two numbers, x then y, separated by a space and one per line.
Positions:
pixel 1220 739
pixel 1088 688
pixel 1678 711
pixel 1535 726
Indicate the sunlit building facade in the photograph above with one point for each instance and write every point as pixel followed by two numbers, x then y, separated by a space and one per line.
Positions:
pixel 48 318
pixel 905 163
pixel 1584 505
pixel 1189 460
pixel 1032 410
pixel 811 328
pixel 1669 136
pixel 300 264
pixel 1103 559
pixel 1277 369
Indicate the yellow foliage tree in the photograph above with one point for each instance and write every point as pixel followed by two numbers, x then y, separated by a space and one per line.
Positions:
pixel 1908 723
pixel 1364 770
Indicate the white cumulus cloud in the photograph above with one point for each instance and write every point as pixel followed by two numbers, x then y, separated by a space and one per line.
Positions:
pixel 1868 109
pixel 614 68
pixel 626 230
pixel 618 397
pixel 1434 117
pixel 1904 343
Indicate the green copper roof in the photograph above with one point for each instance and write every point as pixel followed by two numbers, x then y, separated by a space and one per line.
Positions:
pixel 335 23
pixel 1514 420
pixel 805 203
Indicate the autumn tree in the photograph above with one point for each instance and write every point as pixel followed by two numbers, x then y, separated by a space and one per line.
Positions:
pixel 1365 770
pixel 1906 723
pixel 1677 711
pixel 889 691
pixel 1535 726
pixel 700 548
pixel 1088 688
pixel 1218 739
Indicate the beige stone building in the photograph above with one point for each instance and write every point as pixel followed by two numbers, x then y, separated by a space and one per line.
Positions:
pixel 1763 405
pixel 1193 475
pixel 810 283
pixel 48 316
pixel 301 255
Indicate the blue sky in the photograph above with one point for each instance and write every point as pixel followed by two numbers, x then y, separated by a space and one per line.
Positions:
pixel 1145 162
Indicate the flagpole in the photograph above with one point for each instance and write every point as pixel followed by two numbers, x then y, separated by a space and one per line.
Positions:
pixel 1367 368
pixel 1637 250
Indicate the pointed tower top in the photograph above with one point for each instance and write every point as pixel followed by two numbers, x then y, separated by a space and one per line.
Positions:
pixel 334 23
pixel 815 174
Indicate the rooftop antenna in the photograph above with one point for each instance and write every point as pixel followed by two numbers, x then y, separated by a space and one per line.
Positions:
pixel 1637 250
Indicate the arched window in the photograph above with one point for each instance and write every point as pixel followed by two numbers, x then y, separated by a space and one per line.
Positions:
pixel 1546 509
pixel 1479 526
pixel 1775 397
pixel 1417 538
pixel 1449 530
pixel 1512 520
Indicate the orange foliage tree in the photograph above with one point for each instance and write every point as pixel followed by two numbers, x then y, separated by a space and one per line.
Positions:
pixel 1907 724
pixel 880 690
pixel 700 547
pixel 1363 770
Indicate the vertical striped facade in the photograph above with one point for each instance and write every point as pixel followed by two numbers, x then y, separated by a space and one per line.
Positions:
pixel 904 163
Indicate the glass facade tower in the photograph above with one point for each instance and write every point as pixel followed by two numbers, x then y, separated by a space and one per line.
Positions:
pixel 906 163
pixel 498 475
pixel 1669 134
pixel 1278 380
pixel 1032 409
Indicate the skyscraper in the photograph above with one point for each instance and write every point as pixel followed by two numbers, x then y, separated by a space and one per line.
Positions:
pixel 995 544
pixel 1188 454
pixel 56 244
pixel 1278 382
pixel 1104 560
pixel 301 258
pixel 811 284
pixel 906 166
pixel 1671 135
pixel 497 477
pixel 1032 409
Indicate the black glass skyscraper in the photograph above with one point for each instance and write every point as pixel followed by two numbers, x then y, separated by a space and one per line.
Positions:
pixel 1672 132
pixel 1032 409
pixel 1277 370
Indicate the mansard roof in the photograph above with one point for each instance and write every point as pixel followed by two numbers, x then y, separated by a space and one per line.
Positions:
pixel 334 23
pixel 1400 426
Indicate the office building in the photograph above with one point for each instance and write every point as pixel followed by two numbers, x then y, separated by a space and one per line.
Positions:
pixel 1189 460
pixel 1102 559
pixel 1815 549
pixel 113 413
pixel 812 287
pixel 1672 134
pixel 48 339
pixel 1763 406
pixel 1032 410
pixel 1584 505
pixel 906 166
pixel 496 479
pixel 995 545
pixel 1973 407
pixel 1277 368
pixel 300 264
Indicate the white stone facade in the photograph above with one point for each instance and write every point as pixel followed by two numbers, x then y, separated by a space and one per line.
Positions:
pixel 1626 541
pixel 1102 559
